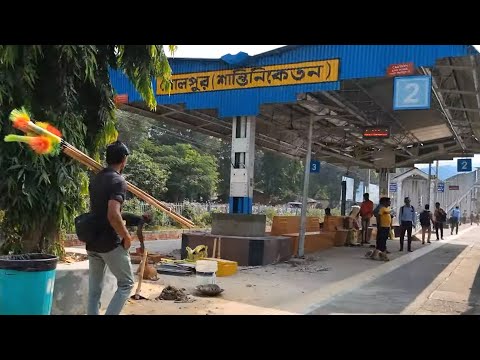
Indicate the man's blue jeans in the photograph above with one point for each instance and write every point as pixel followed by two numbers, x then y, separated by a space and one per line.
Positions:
pixel 118 261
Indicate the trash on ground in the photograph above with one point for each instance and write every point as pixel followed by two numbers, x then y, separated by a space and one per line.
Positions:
pixel 171 293
pixel 250 268
pixel 312 269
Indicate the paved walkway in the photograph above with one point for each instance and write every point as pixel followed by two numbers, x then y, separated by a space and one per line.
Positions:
pixel 442 278
pixel 438 278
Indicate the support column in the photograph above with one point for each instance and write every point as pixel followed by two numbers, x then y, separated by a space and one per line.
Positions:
pixel 435 189
pixel 306 179
pixel 242 165
pixel 398 199
pixel 367 183
pixel 429 184
pixel 383 182
pixel 343 205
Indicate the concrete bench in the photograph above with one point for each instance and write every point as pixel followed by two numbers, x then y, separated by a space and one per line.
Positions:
pixel 290 224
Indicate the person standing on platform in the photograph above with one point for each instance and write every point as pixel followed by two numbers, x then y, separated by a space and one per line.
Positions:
pixel 366 213
pixel 385 221
pixel 440 218
pixel 455 219
pixel 426 221
pixel 408 219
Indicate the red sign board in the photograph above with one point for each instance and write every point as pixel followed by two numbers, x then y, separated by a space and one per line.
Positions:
pixel 401 69
pixel 453 187
pixel 121 99
pixel 376 132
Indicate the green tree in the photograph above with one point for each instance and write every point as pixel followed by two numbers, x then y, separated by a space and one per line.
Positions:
pixel 224 158
pixel 68 86
pixel 143 172
pixel 327 184
pixel 192 175
pixel 279 177
pixel 133 129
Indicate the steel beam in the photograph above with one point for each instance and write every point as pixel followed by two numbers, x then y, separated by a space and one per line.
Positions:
pixel 445 111
pixel 463 109
pixel 457 92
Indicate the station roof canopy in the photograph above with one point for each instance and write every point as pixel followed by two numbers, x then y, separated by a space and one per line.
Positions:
pixel 345 88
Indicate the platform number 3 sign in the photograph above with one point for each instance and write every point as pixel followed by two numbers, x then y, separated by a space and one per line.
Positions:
pixel 412 92
pixel 314 166
pixel 464 165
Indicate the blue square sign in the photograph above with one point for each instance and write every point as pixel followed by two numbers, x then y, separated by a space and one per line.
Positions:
pixel 412 92
pixel 464 165
pixel 314 166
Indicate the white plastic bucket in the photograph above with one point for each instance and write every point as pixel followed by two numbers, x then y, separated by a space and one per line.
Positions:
pixel 206 266
pixel 205 272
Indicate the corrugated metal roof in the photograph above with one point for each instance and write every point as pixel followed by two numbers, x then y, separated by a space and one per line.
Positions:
pixel 356 61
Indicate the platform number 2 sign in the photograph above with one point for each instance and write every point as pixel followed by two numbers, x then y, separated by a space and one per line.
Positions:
pixel 412 93
pixel 464 165
pixel 412 97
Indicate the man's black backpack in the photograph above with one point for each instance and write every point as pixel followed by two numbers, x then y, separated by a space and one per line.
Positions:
pixel 86 227
pixel 425 218
pixel 442 216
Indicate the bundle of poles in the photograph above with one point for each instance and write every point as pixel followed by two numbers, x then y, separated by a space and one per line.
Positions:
pixel 84 159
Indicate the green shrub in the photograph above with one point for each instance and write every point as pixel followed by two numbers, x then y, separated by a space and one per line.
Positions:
pixel 315 212
pixel 132 205
pixel 270 213
pixel 189 212
pixel 205 219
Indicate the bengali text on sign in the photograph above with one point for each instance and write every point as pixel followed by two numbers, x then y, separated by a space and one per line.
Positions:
pixel 254 77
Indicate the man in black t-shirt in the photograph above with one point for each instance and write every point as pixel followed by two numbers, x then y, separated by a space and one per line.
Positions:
pixel 138 221
pixel 110 247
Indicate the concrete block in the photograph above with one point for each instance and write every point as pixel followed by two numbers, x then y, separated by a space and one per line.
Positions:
pixel 238 225
pixel 70 293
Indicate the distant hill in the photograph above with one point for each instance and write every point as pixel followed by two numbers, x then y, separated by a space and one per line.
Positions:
pixel 444 171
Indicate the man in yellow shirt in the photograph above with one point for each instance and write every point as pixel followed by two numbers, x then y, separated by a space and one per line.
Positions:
pixel 384 226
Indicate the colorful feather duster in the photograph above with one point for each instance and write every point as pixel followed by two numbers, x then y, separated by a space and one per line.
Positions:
pixel 43 138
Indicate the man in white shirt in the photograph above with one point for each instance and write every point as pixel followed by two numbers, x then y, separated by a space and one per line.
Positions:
pixel 408 219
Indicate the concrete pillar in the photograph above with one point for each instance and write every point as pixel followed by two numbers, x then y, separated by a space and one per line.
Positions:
pixel 242 165
pixel 398 200
pixel 383 182
pixel 367 183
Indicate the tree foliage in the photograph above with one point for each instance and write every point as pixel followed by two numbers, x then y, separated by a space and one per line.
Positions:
pixel 192 176
pixel 68 86
pixel 279 177
pixel 133 129
pixel 147 174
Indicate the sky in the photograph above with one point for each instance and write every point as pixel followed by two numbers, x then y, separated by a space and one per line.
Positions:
pixel 217 51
